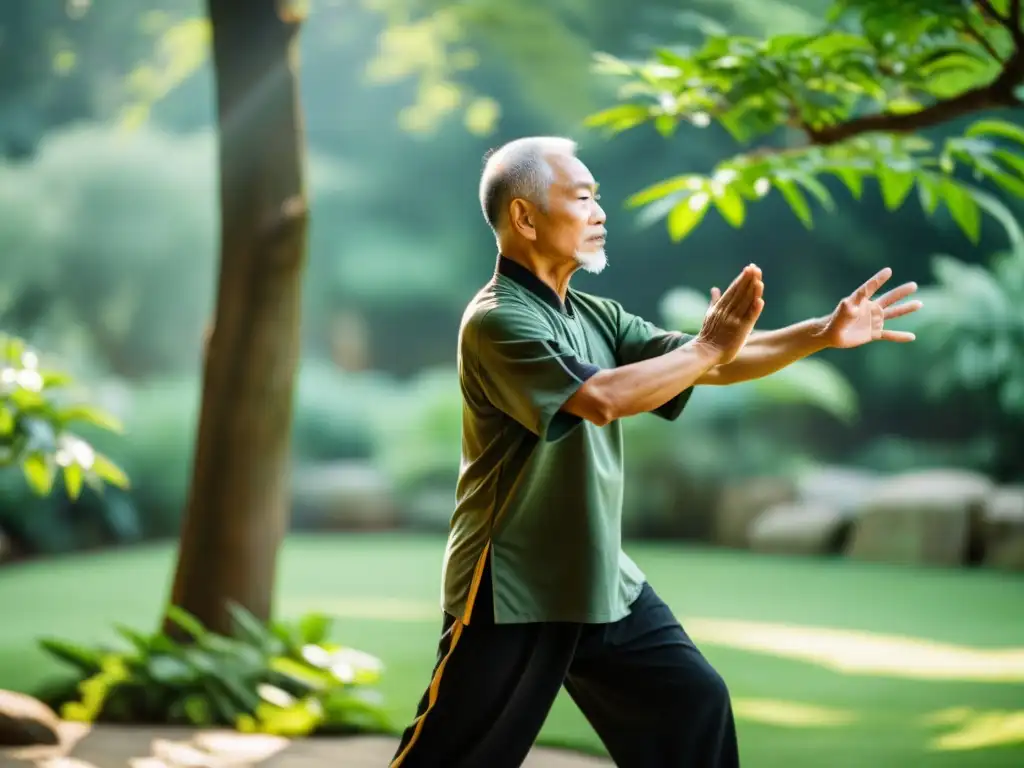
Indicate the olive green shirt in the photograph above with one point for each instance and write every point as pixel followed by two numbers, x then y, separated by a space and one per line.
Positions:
pixel 540 490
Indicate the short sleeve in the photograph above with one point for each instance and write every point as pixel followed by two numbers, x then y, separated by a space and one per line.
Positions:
pixel 526 372
pixel 639 340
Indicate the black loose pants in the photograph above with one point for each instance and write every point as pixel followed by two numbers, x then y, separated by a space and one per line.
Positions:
pixel 650 695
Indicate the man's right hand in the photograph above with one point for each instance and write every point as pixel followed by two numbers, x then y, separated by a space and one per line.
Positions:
pixel 731 318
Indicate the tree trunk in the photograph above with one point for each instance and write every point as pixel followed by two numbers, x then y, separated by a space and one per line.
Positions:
pixel 237 508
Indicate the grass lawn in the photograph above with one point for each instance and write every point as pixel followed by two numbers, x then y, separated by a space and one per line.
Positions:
pixel 803 697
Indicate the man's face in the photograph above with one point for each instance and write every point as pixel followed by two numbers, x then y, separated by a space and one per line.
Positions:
pixel 572 224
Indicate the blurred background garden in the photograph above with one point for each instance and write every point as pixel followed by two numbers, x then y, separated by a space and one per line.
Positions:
pixel 844 539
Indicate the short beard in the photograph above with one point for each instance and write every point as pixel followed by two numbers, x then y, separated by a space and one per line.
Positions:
pixel 593 262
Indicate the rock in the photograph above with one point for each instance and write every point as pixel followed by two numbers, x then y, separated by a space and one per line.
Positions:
pixel 842 488
pixel 26 722
pixel 799 528
pixel 1003 529
pixel 340 495
pixel 740 504
pixel 928 517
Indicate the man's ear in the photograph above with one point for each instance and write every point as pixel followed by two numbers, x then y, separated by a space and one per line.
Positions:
pixel 521 217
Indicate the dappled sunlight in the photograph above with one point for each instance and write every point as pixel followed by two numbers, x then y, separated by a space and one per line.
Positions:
pixel 973 729
pixel 111 746
pixel 85 746
pixel 849 652
pixel 791 714
pixel 854 652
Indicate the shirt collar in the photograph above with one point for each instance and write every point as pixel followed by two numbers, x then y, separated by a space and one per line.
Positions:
pixel 519 274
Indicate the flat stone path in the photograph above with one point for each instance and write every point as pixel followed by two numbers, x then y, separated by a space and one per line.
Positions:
pixel 107 746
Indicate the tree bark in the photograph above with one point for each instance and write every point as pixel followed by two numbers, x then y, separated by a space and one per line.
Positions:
pixel 237 510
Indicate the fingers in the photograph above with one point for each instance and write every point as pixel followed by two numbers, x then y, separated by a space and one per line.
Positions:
pixel 896 294
pixel 754 312
pixel 902 309
pixel 897 336
pixel 869 288
pixel 738 295
pixel 716 294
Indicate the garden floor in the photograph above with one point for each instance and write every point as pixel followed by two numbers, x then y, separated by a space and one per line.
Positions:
pixel 831 664
pixel 114 747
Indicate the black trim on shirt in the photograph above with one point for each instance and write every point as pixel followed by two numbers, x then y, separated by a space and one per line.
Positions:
pixel 572 364
pixel 516 272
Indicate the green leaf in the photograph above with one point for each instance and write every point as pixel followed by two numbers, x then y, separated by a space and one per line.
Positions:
pixel 665 125
pixel 107 470
pixel 729 204
pixel 310 677
pixel 929 193
pixel 89 415
pixel 895 186
pixel 796 200
pixel 27 400
pixel 187 622
pixel 314 628
pixel 619 118
pixel 687 215
pixel 963 209
pixel 14 350
pixel 198 710
pixel 816 188
pixel 39 473
pixel 169 670
pixel 55 379
pixel 606 64
pixel 7 421
pixel 903 106
pixel 300 719
pixel 852 179
pixel 85 660
pixel 137 639
pixel 688 182
pixel 247 626
pixel 995 208
pixel 999 128
pixel 73 477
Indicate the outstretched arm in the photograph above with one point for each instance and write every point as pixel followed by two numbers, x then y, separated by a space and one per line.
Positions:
pixel 857 320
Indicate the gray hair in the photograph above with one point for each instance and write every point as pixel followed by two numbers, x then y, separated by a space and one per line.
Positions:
pixel 519 169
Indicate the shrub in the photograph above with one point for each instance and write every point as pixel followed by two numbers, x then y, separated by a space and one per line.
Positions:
pixel 286 679
pixel 48 436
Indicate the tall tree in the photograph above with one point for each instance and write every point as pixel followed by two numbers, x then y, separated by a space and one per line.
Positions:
pixel 237 509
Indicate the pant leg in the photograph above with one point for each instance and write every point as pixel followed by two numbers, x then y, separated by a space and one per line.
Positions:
pixel 652 697
pixel 492 688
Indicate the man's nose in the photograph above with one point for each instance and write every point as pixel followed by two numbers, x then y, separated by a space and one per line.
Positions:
pixel 597 215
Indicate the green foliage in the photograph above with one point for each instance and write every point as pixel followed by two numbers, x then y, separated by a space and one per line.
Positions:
pixel 287 678
pixel 851 97
pixel 973 328
pixel 36 427
pixel 110 244
pixel 419 434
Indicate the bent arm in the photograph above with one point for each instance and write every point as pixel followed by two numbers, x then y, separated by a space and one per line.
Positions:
pixel 769 351
pixel 640 387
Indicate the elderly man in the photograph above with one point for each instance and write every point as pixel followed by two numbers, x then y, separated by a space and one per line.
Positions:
pixel 538 592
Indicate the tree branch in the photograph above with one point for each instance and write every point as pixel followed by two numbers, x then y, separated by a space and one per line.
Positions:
pixel 998 93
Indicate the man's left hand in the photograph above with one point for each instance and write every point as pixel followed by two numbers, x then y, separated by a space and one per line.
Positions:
pixel 859 318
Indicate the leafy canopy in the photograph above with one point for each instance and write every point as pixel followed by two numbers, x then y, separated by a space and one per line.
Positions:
pixel 850 101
